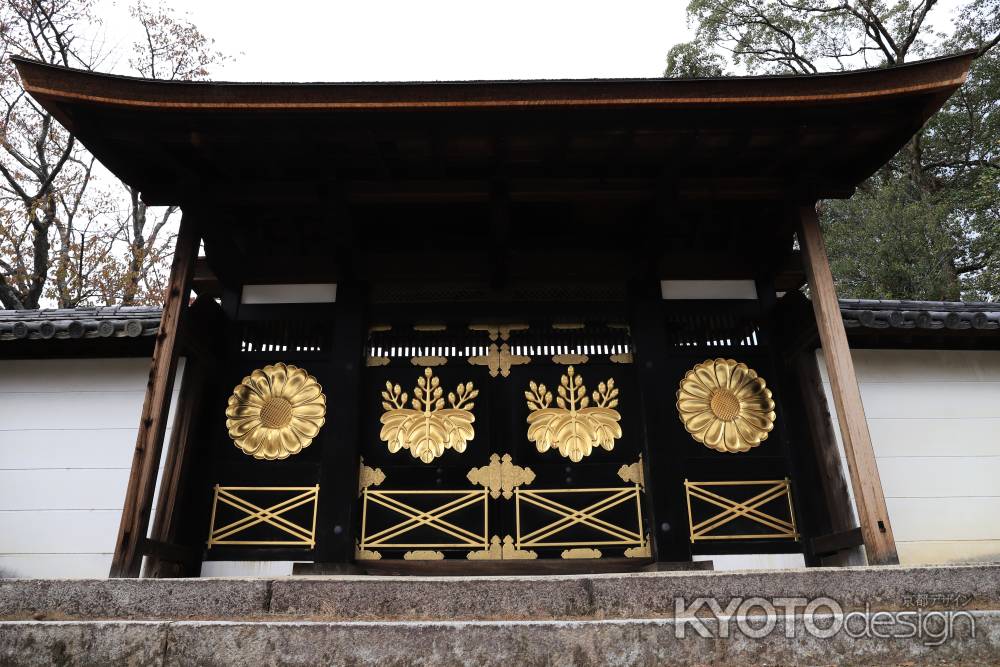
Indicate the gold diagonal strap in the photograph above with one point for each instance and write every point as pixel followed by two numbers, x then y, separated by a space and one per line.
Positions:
pixel 573 516
pixel 586 516
pixel 416 517
pixel 433 518
pixel 257 515
pixel 734 509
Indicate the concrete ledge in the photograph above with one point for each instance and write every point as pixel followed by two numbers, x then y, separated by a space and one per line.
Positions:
pixel 57 599
pixel 580 643
pixel 82 643
pixel 636 595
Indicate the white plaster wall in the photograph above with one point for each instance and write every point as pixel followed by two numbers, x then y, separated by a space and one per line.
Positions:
pixel 67 432
pixel 934 417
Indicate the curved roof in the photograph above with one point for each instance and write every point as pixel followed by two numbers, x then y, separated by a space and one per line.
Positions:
pixel 56 83
pixel 741 137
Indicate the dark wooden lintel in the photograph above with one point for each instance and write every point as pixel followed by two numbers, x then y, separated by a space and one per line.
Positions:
pixel 173 553
pixel 825 545
pixel 520 190
pixel 466 568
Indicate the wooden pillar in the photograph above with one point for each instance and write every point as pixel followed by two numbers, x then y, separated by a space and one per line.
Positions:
pixel 128 554
pixel 666 509
pixel 868 496
pixel 338 494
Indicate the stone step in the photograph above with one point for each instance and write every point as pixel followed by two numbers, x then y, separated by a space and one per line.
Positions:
pixel 602 596
pixel 537 642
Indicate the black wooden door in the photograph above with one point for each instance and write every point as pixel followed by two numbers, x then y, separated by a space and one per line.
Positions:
pixel 421 502
pixel 260 498
pixel 577 427
pixel 504 442
pixel 737 499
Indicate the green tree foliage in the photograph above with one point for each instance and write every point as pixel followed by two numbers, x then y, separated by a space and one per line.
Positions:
pixel 687 60
pixel 927 225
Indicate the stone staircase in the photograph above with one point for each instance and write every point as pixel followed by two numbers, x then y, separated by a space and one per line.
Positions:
pixel 605 619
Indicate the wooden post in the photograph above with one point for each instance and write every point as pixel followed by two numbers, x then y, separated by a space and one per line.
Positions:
pixel 339 475
pixel 666 511
pixel 196 344
pixel 128 554
pixel 868 496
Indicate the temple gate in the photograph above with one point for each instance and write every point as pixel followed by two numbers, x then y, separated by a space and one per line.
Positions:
pixel 498 326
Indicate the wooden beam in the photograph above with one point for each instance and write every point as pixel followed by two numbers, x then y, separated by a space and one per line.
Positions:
pixel 868 496
pixel 205 283
pixel 825 545
pixel 127 558
pixel 165 552
pixel 272 192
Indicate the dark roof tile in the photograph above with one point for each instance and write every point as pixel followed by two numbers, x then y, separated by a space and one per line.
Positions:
pixel 136 321
pixel 77 323
pixel 951 315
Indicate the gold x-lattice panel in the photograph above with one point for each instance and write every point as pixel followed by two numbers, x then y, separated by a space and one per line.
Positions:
pixel 453 535
pixel 731 510
pixel 291 534
pixel 569 517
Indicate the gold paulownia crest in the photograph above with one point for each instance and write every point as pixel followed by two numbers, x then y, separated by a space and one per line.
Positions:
pixel 428 428
pixel 725 405
pixel 574 427
pixel 275 412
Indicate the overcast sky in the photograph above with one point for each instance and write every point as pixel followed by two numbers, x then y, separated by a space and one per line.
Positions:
pixel 386 40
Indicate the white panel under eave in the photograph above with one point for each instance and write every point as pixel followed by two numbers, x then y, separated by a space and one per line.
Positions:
pixel 672 290
pixel 247 568
pixel 296 293
pixel 753 561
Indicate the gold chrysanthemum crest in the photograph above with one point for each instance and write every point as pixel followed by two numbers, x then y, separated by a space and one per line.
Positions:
pixel 275 412
pixel 428 428
pixel 725 405
pixel 575 426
